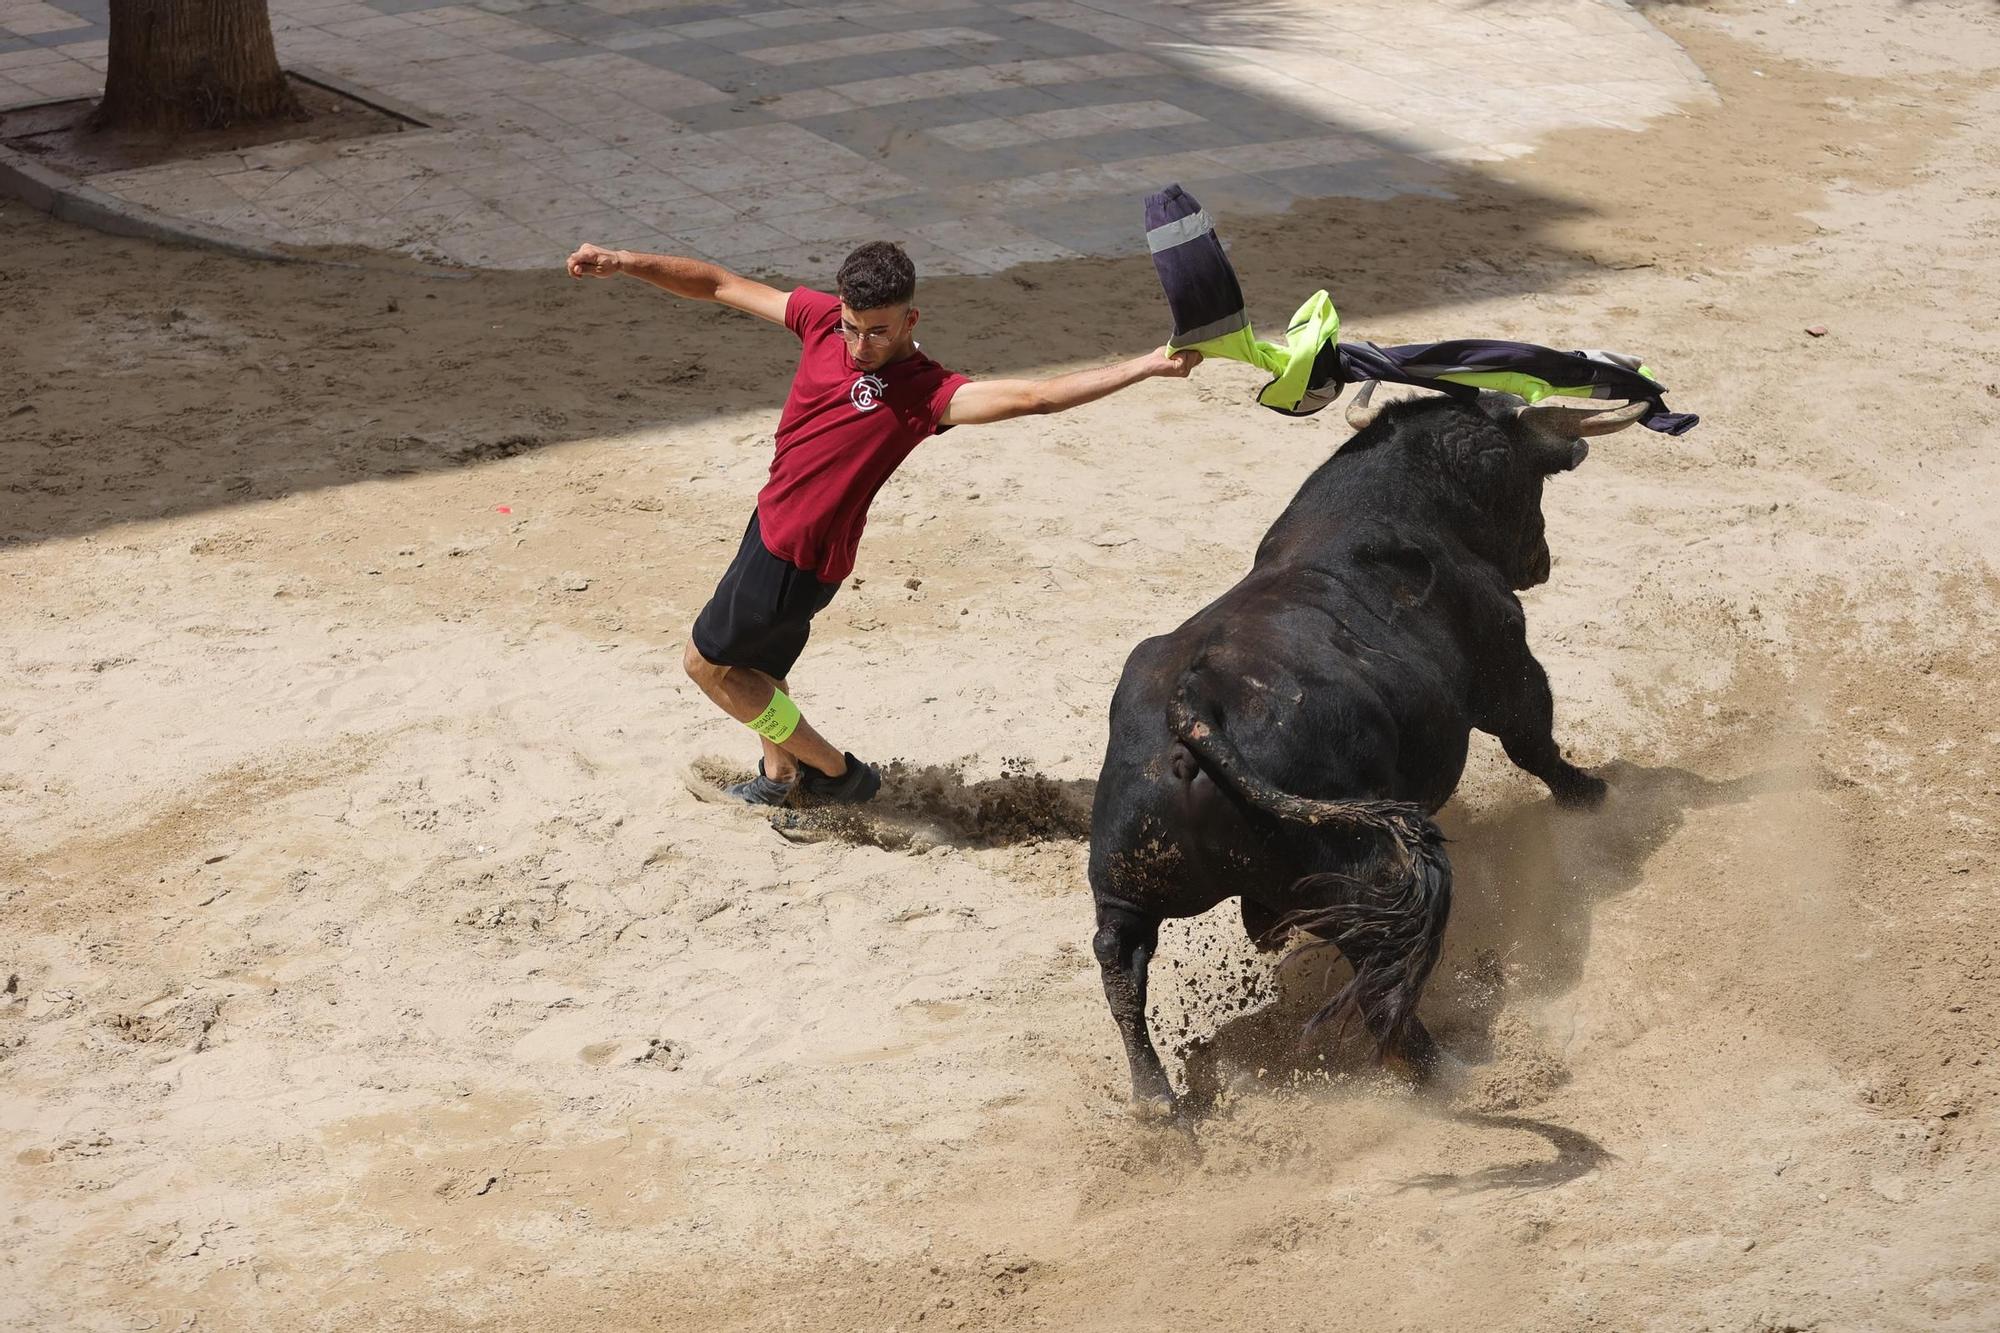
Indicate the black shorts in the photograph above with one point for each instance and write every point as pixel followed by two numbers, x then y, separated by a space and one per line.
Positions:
pixel 762 610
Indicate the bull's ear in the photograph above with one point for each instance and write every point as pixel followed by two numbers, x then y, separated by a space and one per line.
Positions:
pixel 1560 431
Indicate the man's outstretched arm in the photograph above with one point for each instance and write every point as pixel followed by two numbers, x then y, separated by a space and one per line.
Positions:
pixel 983 401
pixel 694 279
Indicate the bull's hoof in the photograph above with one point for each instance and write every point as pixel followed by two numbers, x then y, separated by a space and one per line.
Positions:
pixel 1154 1099
pixel 1424 1063
pixel 1582 792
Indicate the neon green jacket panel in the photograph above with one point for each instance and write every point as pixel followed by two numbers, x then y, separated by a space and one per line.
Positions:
pixel 1315 325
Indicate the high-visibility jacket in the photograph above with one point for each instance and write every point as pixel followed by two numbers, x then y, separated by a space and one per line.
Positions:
pixel 1311 367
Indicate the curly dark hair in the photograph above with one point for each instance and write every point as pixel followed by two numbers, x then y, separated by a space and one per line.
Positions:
pixel 876 275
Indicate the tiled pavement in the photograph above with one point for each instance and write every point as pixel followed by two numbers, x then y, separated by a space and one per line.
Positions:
pixel 769 135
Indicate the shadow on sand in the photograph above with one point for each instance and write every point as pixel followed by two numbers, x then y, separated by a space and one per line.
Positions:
pixel 1576 1154
pixel 225 381
pixel 1527 878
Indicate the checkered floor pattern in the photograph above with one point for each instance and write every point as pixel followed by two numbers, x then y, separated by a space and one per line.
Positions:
pixel 770 136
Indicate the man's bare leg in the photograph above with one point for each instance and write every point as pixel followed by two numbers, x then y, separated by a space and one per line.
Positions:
pixel 743 693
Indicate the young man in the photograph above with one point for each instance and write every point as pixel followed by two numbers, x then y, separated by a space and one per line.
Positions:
pixel 864 395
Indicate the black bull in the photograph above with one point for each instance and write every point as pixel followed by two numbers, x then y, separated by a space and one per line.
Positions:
pixel 1289 743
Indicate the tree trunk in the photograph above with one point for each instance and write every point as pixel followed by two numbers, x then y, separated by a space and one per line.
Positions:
pixel 179 65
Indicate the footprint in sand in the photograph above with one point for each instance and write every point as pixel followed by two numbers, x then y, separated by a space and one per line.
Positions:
pixel 653 1052
pixel 930 920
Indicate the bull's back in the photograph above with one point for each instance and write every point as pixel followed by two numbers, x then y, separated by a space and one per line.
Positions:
pixel 1362 666
pixel 1329 680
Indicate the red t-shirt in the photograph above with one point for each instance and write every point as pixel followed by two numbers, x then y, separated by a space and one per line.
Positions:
pixel 843 432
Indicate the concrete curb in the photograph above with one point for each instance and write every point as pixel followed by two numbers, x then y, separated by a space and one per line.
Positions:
pixel 61 196
pixel 65 197
pixel 71 200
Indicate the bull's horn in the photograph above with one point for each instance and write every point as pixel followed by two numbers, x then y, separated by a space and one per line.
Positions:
pixel 1359 414
pixel 1576 423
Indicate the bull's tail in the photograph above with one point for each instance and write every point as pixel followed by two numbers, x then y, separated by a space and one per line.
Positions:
pixel 1391 929
pixel 1389 924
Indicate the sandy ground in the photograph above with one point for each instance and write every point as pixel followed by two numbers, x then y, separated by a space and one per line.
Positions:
pixel 368 964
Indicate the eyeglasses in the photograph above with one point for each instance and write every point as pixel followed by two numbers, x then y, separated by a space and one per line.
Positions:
pixel 854 335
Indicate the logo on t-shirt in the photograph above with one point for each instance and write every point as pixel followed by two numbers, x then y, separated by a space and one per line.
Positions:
pixel 866 392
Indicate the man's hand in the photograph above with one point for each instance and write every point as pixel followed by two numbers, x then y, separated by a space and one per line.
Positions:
pixel 1177 364
pixel 594 261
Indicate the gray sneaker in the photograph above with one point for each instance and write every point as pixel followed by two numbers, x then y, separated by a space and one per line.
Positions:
pixel 760 790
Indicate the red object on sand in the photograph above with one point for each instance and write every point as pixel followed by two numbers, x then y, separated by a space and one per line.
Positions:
pixel 502 509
